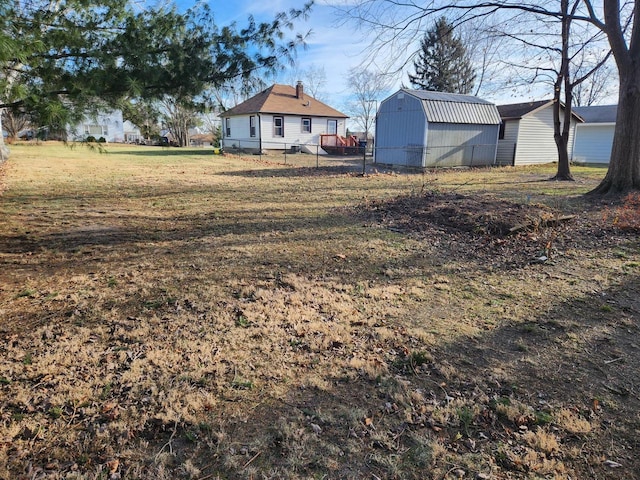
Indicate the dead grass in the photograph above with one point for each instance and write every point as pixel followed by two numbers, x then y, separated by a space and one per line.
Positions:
pixel 171 314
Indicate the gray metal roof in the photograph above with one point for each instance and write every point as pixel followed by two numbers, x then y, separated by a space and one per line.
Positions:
pixel 598 113
pixel 456 108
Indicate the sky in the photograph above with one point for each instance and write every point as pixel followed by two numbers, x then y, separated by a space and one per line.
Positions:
pixel 330 46
pixel 335 47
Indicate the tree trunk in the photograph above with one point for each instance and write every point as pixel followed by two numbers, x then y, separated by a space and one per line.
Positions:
pixel 561 136
pixel 4 150
pixel 564 170
pixel 624 166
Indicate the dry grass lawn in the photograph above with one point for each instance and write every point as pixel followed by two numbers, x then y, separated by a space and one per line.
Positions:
pixel 171 314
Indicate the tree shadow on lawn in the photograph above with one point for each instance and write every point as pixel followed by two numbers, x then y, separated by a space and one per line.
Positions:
pixel 159 151
pixel 293 171
pixel 475 404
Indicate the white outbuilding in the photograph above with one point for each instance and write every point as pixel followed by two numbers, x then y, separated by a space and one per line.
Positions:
pixel 526 136
pixel 594 137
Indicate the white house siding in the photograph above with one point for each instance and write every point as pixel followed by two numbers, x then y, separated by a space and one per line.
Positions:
pixel 507 145
pixel 535 142
pixel 593 143
pixel 131 133
pixel 265 139
pixel 108 125
pixel 453 145
pixel 293 135
pixel 240 134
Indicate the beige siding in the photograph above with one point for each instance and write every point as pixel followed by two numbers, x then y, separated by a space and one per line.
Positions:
pixel 506 146
pixel 535 143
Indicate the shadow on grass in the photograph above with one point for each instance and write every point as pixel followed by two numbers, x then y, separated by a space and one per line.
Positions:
pixel 158 151
pixel 576 357
pixel 294 171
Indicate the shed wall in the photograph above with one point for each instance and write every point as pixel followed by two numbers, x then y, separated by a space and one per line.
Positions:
pixel 593 143
pixel 401 131
pixel 452 145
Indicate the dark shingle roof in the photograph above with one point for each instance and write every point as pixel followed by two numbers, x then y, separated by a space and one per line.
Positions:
pixel 519 110
pixel 598 113
pixel 516 111
pixel 281 99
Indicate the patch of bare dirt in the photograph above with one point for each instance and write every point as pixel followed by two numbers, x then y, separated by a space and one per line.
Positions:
pixel 508 234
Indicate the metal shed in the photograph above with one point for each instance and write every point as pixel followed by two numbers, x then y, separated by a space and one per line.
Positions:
pixel 419 128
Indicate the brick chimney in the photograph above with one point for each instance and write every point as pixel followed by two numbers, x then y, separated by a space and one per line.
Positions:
pixel 299 90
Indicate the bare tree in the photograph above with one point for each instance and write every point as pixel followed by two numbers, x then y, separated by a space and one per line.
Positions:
pixel 598 87
pixel 314 79
pixel 236 91
pixel 367 88
pixel 179 116
pixel 486 50
pixel 393 24
pixel 14 123
pixel 624 166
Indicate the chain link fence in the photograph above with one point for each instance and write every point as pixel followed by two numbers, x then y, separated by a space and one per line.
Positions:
pixel 302 155
pixel 363 157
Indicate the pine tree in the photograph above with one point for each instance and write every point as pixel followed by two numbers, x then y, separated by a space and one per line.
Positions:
pixel 443 64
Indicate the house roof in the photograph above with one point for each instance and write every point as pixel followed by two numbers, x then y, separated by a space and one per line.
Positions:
pixel 282 99
pixel 598 113
pixel 456 108
pixel 519 110
pixel 515 111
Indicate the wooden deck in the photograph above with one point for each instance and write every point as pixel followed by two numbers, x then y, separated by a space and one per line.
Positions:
pixel 339 145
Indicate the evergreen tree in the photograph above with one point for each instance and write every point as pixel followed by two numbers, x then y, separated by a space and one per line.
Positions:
pixel 60 60
pixel 443 63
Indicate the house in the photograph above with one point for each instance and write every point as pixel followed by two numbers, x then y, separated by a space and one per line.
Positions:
pixel 427 129
pixel 594 138
pixel 107 125
pixel 131 133
pixel 284 118
pixel 526 135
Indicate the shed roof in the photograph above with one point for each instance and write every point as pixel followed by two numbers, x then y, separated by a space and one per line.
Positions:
pixel 456 108
pixel 282 99
pixel 598 113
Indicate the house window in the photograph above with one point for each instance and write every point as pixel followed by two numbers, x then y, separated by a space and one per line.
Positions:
pixel 501 132
pixel 93 130
pixel 278 126
pixel 227 123
pixel 332 127
pixel 252 126
pixel 306 125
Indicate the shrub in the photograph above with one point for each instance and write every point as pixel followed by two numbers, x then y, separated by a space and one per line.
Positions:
pixel 627 215
pixel 102 140
pixel 91 139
